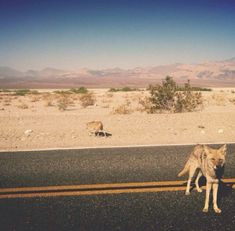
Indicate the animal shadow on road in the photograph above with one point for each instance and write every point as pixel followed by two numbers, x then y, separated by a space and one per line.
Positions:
pixel 225 189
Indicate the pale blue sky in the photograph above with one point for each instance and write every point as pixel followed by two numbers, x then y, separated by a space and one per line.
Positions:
pixel 104 34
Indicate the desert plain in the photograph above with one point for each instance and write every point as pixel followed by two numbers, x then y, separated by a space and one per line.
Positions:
pixel 37 121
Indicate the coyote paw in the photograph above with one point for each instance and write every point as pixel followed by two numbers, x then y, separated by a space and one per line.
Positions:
pixel 205 210
pixel 199 190
pixel 187 193
pixel 217 210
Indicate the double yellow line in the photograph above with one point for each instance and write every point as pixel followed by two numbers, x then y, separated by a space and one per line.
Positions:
pixel 96 189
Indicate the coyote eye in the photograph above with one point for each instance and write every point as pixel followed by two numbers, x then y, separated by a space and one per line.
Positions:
pixel 212 158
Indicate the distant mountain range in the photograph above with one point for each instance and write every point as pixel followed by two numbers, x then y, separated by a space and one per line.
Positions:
pixel 216 73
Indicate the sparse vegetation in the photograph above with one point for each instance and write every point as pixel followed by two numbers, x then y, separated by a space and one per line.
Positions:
pixel 63 103
pixel 183 88
pixel 48 103
pixel 219 98
pixel 7 101
pixel 34 98
pixel 167 97
pixel 232 100
pixel 22 92
pixel 122 89
pixel 5 90
pixel 34 92
pixel 87 99
pixel 80 90
pixel 61 92
pixel 123 109
pixel 145 105
pixel 23 106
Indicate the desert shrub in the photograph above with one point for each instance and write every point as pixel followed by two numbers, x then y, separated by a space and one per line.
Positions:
pixel 5 90
pixel 87 99
pixel 23 106
pixel 166 97
pixel 80 90
pixel 163 96
pixel 49 103
pixel 22 92
pixel 61 92
pixel 219 98
pixel 123 109
pixel 7 101
pixel 184 88
pixel 63 103
pixel 35 98
pixel 125 89
pixel 34 92
pixel 187 100
pixel 232 100
pixel 109 95
pixel 145 105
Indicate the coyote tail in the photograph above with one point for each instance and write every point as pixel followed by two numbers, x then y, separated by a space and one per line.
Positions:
pixel 185 170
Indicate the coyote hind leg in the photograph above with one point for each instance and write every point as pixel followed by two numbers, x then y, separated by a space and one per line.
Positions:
pixel 197 181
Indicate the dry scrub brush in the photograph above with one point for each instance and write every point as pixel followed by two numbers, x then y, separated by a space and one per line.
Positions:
pixel 168 98
pixel 64 102
pixel 123 109
pixel 23 106
pixel 87 99
pixel 219 98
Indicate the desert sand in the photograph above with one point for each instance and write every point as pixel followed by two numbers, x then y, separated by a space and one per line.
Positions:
pixel 35 122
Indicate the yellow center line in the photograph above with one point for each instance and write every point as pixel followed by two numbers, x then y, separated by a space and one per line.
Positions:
pixel 96 189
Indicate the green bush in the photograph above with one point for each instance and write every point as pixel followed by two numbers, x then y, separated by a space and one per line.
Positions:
pixel 167 97
pixel 80 90
pixel 125 89
pixel 5 90
pixel 22 92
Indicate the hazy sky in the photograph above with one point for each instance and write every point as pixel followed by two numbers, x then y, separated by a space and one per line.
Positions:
pixel 71 34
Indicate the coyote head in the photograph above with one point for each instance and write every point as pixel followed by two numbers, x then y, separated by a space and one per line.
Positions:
pixel 215 157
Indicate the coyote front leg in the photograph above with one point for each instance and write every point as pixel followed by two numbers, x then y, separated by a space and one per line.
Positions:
pixel 215 193
pixel 208 190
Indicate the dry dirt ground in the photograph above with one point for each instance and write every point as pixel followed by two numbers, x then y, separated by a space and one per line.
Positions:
pixel 35 121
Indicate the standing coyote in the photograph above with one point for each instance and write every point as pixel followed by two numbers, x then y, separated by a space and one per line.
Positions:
pixel 206 161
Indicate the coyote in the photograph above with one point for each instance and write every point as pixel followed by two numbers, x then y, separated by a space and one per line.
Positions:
pixel 209 162
pixel 94 127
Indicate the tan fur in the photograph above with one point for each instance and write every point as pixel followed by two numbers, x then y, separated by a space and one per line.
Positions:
pixel 94 126
pixel 206 161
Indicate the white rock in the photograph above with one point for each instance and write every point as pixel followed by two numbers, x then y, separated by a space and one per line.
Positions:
pixel 27 132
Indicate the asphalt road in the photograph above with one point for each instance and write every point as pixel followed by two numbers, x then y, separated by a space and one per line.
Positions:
pixel 131 211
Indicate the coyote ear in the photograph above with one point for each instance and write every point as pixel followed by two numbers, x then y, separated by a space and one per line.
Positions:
pixel 206 151
pixel 223 149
